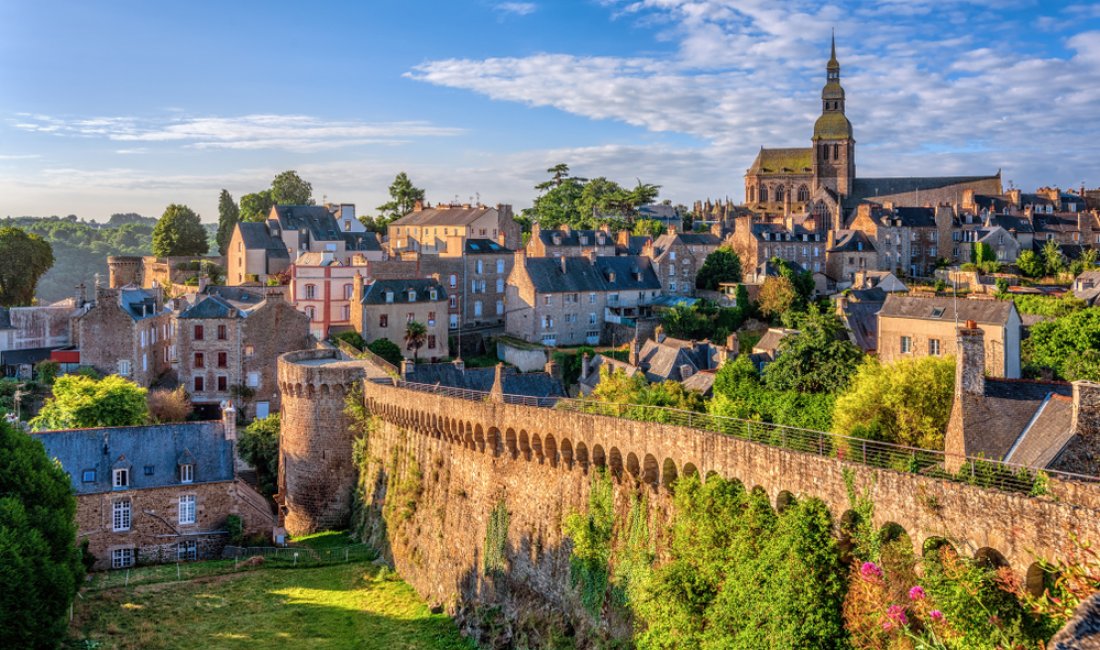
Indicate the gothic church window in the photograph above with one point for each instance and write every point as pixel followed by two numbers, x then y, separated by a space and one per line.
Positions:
pixel 803 193
pixel 836 152
pixel 779 192
pixel 763 194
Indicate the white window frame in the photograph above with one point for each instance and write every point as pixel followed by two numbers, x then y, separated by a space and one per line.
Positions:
pixel 253 379
pixel 500 266
pixel 934 347
pixel 186 512
pixel 122 558
pixel 187 473
pixel 500 308
pixel 906 344
pixel 124 367
pixel 120 478
pixel 121 515
pixel 187 550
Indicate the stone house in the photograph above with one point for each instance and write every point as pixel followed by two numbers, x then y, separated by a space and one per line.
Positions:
pixel 566 241
pixel 321 288
pixel 128 332
pixel 1005 246
pixel 911 240
pixel 917 326
pixel 757 242
pixel 848 253
pixel 385 307
pixel 677 258
pixel 157 493
pixel 446 227
pixel 227 348
pixel 566 301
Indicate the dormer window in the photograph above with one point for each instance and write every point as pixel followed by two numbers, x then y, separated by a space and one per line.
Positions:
pixel 121 478
pixel 187 473
pixel 433 295
pixel 412 295
pixel 389 296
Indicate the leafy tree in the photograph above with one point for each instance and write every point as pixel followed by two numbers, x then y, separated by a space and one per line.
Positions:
pixel 801 281
pixel 1048 305
pixel 386 349
pixel 416 334
pixel 169 405
pixel 289 189
pixel 179 232
pixel 906 403
pixel 616 387
pixel 26 258
pixel 40 564
pixel 1066 346
pixel 1029 264
pixel 259 447
pixel 403 198
pixel 46 372
pixel 1052 258
pixel 584 203
pixel 980 252
pixel 777 296
pixel 256 206
pixel 228 216
pixel 739 393
pixel 650 227
pixel 818 359
pixel 81 402
pixel 723 265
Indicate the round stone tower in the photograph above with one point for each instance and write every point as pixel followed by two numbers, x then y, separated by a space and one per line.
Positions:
pixel 124 270
pixel 316 472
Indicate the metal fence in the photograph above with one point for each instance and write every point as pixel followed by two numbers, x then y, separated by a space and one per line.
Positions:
pixel 975 471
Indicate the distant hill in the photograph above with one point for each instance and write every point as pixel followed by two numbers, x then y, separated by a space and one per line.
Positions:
pixel 80 249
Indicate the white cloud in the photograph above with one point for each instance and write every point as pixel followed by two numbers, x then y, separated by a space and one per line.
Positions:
pixel 517 8
pixel 299 133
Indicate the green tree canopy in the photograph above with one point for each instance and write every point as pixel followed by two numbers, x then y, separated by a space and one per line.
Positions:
pixel 228 216
pixel 416 333
pixel 739 393
pixel 256 206
pixel 777 296
pixel 386 349
pixel 40 565
pixel 26 257
pixel 648 227
pixel 259 447
pixel 818 359
pixel 288 188
pixel 1067 346
pixel 179 232
pixel 403 198
pixel 1053 261
pixel 1030 264
pixel 616 388
pixel 906 403
pixel 80 402
pixel 583 203
pixel 723 265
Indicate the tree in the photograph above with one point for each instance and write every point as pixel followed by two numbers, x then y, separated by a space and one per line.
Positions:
pixel 259 447
pixel 723 265
pixel 905 403
pixel 386 349
pixel 80 402
pixel 403 198
pixel 1065 345
pixel 1029 264
pixel 228 216
pixel 818 359
pixel 169 405
pixel 801 281
pixel 416 334
pixel 256 206
pixel 26 258
pixel 777 296
pixel 289 189
pixel 179 232
pixel 648 227
pixel 40 564
pixel 1052 258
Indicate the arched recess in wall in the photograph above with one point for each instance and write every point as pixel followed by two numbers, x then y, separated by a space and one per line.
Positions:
pixel 493 440
pixel 690 470
pixel 633 467
pixel 479 438
pixel 536 447
pixel 599 458
pixel 582 456
pixel 470 444
pixel 846 527
pixel 669 473
pixel 711 475
pixel 550 446
pixel 892 532
pixel 567 453
pixel 1037 579
pixel 937 548
pixel 525 444
pixel 990 557
pixel 615 462
pixel 650 470
pixel 783 501
pixel 510 444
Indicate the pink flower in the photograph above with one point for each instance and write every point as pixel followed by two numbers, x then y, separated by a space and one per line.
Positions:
pixel 896 613
pixel 916 593
pixel 887 625
pixel 936 615
pixel 870 570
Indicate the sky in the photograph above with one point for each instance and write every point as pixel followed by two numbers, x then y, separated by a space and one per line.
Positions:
pixel 128 106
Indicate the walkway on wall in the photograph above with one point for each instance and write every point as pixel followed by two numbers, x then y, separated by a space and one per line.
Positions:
pixel 976 471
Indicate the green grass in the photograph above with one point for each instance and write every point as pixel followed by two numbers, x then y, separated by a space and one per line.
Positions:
pixel 353 605
pixel 324 540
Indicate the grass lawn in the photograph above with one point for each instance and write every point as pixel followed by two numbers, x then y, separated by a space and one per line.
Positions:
pixel 355 605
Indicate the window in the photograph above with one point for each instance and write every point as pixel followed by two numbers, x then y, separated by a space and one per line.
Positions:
pixel 122 558
pixel 121 478
pixel 347 291
pixel 200 360
pixel 452 301
pixel 223 383
pixel 187 509
pixel 198 332
pixel 223 333
pixel 188 550
pixel 345 312
pixel 410 317
pixel 431 318
pixel 500 266
pixel 500 308
pixel 88 476
pixel 453 324
pixel 412 295
pixel 672 286
pixel 934 347
pixel 433 296
pixel 906 345
pixel 223 359
pixel 311 313
pixel 500 285
pixel 311 291
pixel 479 267
pixel 431 341
pixel 547 300
pixel 124 367
pixel 672 255
pixel 199 384
pixel 143 343
pixel 120 515
pixel 149 469
pixel 253 380
pixel 672 271
pixel 389 296
pixel 454 281
pixel 592 318
pixel 249 351
pixel 547 322
pixel 591 298
pixel 187 473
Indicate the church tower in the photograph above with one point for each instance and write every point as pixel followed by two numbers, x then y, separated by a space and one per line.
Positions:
pixel 833 145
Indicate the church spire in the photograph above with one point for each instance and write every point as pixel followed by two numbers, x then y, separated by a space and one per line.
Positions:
pixel 832 69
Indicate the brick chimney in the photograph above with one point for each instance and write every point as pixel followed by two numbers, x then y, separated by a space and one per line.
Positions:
pixel 584 366
pixel 418 206
pixel 496 393
pixel 229 420
pixel 633 357
pixel 963 427
pixel 970 360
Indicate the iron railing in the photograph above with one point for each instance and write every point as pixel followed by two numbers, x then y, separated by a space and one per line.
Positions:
pixel 873 453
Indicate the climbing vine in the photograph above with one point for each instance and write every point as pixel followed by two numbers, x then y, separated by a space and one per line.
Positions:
pixel 591 534
pixel 496 539
pixel 634 559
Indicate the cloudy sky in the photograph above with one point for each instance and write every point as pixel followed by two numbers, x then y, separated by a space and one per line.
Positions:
pixel 129 106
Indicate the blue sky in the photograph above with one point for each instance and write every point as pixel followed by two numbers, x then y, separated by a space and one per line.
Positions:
pixel 129 106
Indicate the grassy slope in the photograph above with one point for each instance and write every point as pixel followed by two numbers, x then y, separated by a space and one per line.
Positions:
pixel 340 606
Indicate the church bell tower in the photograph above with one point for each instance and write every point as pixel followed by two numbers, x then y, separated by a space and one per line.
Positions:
pixel 833 145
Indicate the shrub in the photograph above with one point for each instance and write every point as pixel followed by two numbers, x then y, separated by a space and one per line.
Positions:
pixel 259 447
pixel 46 372
pixel 81 402
pixel 388 350
pixel 169 405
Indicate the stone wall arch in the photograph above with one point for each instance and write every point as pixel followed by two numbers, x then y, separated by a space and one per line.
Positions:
pixel 615 463
pixel 1037 579
pixel 511 446
pixel 567 453
pixel 990 557
pixel 651 471
pixel 550 447
pixel 599 458
pixel 669 474
pixel 536 447
pixel 783 501
pixel 494 441
pixel 525 444
pixel 582 455
pixel 479 438
pixel 892 531
pixel 633 466
pixel 691 470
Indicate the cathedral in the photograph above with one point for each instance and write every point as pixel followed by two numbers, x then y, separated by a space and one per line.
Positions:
pixel 820 182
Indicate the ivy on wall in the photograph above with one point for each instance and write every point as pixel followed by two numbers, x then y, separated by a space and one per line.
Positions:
pixel 496 539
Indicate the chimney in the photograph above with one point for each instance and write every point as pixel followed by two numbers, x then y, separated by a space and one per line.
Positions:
pixel 1086 410
pixel 584 366
pixel 496 393
pixel 80 295
pixel 970 361
pixel 229 420
pixel 554 369
pixel 671 229
pixel 633 357
pixel 733 346
pixel 418 206
pixel 564 260
pixel 1014 197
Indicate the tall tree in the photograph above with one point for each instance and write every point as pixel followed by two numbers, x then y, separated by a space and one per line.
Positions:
pixel 403 197
pixel 259 447
pixel 289 189
pixel 81 402
pixel 1052 258
pixel 26 257
pixel 723 265
pixel 818 359
pixel 256 206
pixel 1030 264
pixel 228 216
pixel 415 335
pixel 40 565
pixel 179 232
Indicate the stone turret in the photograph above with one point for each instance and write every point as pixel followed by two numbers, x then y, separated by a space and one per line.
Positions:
pixel 124 270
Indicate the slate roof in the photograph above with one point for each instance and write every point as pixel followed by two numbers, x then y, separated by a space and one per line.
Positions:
pixel 138 303
pixel 668 240
pixel 156 449
pixel 484 246
pixel 866 188
pixel 211 307
pixel 26 355
pixel 769 343
pixel 233 293
pixel 861 321
pixel 257 236
pixel 634 245
pixel 852 241
pixel 783 161
pixel 577 274
pixel 990 312
pixel 662 361
pixel 362 241
pixel 596 364
pixel 702 382
pixel 375 292
pixel 314 219
pixel 1005 413
pixel 573 237
pixel 1048 434
pixel 444 216
pixel 531 384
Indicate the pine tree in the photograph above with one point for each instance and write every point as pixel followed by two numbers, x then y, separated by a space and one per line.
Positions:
pixel 228 216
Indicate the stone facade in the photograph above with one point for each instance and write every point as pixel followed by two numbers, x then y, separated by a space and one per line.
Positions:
pixel 116 339
pixel 385 307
